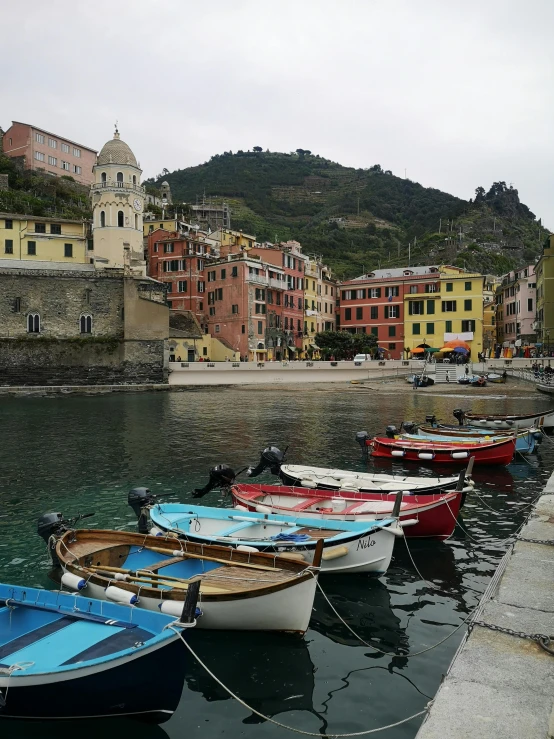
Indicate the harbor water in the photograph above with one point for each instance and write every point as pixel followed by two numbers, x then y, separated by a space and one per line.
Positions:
pixel 83 454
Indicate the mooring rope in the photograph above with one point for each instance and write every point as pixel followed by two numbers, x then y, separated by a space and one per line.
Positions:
pixel 285 726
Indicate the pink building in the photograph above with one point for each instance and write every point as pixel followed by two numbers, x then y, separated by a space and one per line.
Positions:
pixel 47 152
pixel 516 307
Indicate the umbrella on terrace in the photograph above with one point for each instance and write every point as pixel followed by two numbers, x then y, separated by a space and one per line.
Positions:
pixel 418 350
pixel 458 342
pixel 460 350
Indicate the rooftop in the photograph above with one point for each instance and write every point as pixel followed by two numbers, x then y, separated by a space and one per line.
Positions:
pixel 34 264
pixel 40 219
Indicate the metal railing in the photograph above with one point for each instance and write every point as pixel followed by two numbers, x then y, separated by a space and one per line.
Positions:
pixel 117 186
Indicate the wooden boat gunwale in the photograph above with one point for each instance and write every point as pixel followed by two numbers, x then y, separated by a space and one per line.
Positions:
pixel 299 572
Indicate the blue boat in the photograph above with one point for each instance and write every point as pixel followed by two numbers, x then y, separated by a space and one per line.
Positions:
pixel 65 656
pixel 348 546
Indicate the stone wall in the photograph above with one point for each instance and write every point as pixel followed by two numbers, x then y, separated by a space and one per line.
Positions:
pixel 60 354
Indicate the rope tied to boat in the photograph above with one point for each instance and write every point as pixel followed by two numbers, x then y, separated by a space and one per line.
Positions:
pixel 285 726
pixel 17 666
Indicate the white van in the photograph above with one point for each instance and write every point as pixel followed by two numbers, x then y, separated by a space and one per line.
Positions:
pixel 362 358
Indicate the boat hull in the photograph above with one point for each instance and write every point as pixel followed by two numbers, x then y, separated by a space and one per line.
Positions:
pixel 283 610
pixel 542 420
pixel 494 453
pixel 367 552
pixel 89 693
pixel 422 516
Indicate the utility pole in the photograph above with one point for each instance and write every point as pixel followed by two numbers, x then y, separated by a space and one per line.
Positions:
pixel 409 253
pixel 440 224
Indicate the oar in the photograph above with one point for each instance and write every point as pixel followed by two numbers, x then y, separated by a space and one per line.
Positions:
pixel 214 559
pixel 155 582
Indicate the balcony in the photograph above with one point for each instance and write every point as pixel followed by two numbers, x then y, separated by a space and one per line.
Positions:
pixel 258 280
pixel 117 186
pixel 277 284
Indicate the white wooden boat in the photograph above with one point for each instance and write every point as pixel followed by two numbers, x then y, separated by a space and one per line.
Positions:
pixel 238 590
pixel 348 546
pixel 327 478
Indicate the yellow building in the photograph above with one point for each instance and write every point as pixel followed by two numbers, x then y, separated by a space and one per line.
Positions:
pixel 169 224
pixel 544 271
pixel 188 343
pixel 25 237
pixel 447 307
pixel 319 302
pixel 232 241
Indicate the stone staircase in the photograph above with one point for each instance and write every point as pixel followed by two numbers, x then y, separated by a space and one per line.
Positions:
pixel 449 372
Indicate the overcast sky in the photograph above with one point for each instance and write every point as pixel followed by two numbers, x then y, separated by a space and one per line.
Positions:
pixel 457 94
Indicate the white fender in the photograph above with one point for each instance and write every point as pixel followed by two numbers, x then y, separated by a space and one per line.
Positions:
pixel 245 548
pixel 74 582
pixel 118 595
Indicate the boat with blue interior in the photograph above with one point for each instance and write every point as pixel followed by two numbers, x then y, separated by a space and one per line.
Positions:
pixel 68 656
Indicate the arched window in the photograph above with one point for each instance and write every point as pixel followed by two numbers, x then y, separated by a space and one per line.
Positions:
pixel 120 176
pixel 102 218
pixel 86 323
pixel 33 323
pixel 134 179
pixel 136 221
pixel 103 177
pixel 120 218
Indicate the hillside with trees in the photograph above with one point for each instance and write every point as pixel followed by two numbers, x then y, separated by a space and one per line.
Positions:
pixel 37 194
pixel 358 219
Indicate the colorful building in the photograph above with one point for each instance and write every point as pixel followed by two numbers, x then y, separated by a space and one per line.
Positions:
pixel 179 259
pixel 516 308
pixel 44 239
pixel 50 153
pixel 452 310
pixel 415 307
pixel 189 343
pixel 544 271
pixel 319 302
pixel 375 303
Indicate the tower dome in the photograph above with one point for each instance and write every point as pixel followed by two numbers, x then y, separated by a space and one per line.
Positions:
pixel 116 151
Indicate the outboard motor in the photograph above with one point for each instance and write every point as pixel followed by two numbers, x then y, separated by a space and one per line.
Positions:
pixel 139 499
pixel 410 427
pixel 362 437
pixel 51 525
pixel 431 419
pixel 460 415
pixel 271 458
pixel 391 431
pixel 221 476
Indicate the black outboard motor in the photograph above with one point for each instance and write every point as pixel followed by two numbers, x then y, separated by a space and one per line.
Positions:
pixel 221 476
pixel 139 499
pixel 51 525
pixel 410 427
pixel 271 458
pixel 460 415
pixel 391 431
pixel 361 438
pixel 431 419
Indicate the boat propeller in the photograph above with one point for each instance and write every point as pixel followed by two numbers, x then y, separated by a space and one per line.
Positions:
pixel 271 458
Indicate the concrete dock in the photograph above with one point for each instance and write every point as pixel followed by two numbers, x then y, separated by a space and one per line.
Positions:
pixel 500 685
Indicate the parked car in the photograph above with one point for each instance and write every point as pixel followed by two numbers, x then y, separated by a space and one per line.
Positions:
pixel 362 358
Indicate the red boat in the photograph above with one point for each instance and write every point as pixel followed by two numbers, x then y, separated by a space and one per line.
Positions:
pixel 443 452
pixel 421 516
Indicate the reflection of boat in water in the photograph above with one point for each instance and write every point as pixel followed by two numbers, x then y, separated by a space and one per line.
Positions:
pixel 271 672
pixel 366 606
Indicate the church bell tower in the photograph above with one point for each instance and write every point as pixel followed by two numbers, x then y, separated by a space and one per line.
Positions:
pixel 118 207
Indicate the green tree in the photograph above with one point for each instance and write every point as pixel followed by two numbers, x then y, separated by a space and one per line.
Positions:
pixel 343 344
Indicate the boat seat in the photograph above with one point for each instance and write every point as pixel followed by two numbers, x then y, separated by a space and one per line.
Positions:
pixel 236 527
pixel 305 504
pixel 162 563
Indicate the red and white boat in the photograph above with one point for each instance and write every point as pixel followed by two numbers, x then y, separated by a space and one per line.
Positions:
pixel 443 452
pixel 421 516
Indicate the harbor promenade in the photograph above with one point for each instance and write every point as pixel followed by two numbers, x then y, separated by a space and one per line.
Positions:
pixel 501 680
